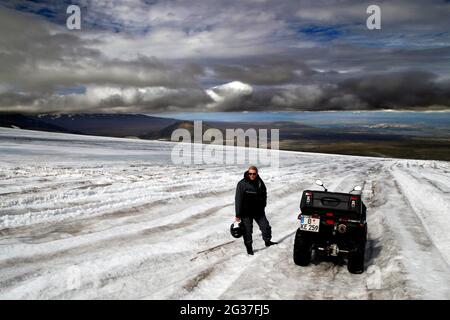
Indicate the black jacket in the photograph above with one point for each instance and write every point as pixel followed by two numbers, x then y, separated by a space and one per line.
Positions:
pixel 251 197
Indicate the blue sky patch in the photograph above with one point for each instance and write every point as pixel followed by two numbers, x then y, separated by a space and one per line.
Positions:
pixel 322 33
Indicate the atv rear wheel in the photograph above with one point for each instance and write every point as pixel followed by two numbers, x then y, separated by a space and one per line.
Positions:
pixel 302 250
pixel 356 259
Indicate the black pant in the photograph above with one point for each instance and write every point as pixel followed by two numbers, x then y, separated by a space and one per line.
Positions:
pixel 263 224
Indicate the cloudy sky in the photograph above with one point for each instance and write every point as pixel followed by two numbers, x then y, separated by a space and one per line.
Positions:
pixel 234 55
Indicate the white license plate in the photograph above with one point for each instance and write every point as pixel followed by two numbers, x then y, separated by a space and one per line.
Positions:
pixel 308 223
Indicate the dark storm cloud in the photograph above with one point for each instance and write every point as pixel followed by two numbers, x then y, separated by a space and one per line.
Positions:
pixel 107 99
pixel 258 75
pixel 13 99
pixel 38 60
pixel 265 72
pixel 154 55
pixel 397 90
pixel 175 99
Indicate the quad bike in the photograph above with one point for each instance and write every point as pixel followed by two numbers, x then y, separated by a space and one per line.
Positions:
pixel 332 224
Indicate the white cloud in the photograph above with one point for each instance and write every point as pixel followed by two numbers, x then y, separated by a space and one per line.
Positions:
pixel 228 95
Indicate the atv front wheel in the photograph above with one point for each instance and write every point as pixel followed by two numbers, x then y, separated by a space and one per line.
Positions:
pixel 302 250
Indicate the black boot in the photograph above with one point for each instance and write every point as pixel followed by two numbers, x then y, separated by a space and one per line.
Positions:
pixel 270 243
pixel 249 249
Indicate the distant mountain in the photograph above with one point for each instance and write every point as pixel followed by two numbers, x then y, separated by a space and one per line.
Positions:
pixel 13 120
pixel 166 133
pixel 154 128
pixel 112 125
pixel 381 140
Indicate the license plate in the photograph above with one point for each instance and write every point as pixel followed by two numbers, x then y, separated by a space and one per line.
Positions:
pixel 308 223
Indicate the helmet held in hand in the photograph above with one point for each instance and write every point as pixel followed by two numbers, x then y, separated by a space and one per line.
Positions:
pixel 236 229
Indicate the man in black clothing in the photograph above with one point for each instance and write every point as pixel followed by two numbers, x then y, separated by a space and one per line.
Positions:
pixel 250 201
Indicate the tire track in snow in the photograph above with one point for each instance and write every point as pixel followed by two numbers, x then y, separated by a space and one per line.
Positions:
pixel 140 268
pixel 416 253
pixel 163 229
pixel 222 278
pixel 430 209
pixel 225 272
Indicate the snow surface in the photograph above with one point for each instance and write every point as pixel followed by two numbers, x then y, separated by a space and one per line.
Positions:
pixel 105 218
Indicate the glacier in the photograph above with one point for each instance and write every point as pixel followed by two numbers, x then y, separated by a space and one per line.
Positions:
pixel 84 217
